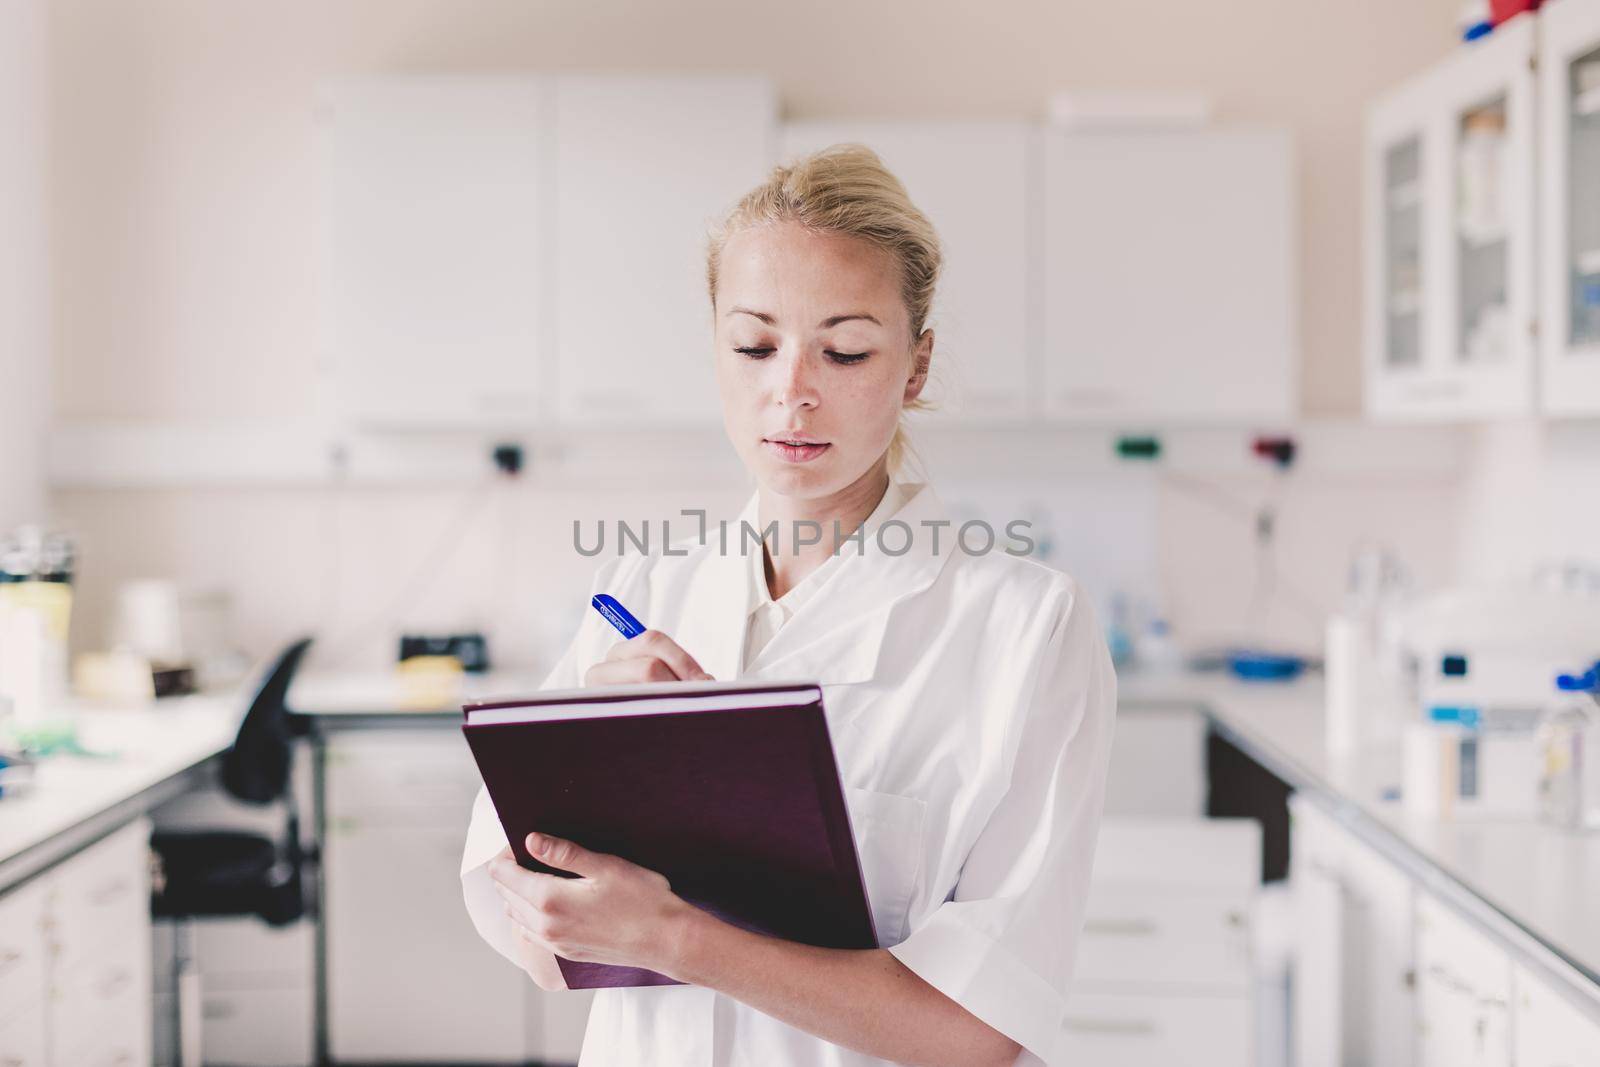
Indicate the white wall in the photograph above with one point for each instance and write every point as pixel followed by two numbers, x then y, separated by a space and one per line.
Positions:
pixel 24 289
pixel 1531 499
pixel 186 222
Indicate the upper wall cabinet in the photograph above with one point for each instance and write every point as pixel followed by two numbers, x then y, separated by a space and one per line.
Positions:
pixel 1170 276
pixel 1570 197
pixel 972 180
pixel 643 168
pixel 1449 195
pixel 437 194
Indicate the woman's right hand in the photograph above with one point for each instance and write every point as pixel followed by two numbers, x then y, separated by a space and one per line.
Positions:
pixel 650 657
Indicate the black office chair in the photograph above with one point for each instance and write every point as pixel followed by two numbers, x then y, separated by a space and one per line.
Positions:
pixel 235 873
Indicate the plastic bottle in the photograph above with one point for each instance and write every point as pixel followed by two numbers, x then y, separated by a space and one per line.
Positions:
pixel 1568 744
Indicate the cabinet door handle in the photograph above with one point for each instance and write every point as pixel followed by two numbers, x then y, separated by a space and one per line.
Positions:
pixel 113 983
pixel 9 959
pixel 1448 980
pixel 1125 1027
pixel 1121 927
pixel 109 891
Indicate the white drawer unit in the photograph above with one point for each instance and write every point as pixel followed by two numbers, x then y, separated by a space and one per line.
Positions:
pixel 398 803
pixel 75 960
pixel 99 996
pixel 1165 962
pixel 23 975
pixel 1550 1030
pixel 1463 992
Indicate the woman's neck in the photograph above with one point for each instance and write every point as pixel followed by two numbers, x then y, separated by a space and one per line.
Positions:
pixel 849 507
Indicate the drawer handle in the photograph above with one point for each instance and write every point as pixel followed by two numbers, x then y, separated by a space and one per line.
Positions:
pixel 9 959
pixel 1125 1027
pixel 115 982
pixel 1120 927
pixel 1448 980
pixel 109 892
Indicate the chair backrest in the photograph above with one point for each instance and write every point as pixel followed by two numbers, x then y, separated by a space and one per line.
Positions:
pixel 256 768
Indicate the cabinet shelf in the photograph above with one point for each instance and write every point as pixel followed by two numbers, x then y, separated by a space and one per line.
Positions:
pixel 1588 262
pixel 1587 103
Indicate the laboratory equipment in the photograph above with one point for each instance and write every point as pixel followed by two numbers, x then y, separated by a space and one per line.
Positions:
pixel 1494 649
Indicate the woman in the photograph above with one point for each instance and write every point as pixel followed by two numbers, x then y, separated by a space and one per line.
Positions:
pixel 969 696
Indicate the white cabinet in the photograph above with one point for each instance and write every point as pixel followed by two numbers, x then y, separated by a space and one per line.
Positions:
pixel 1463 992
pixel 408 978
pixel 1165 962
pixel 643 168
pixel 1354 968
pixel 976 182
pixel 438 199
pixel 1550 1031
pixel 99 944
pixel 1170 276
pixel 75 951
pixel 1450 228
pixel 23 983
pixel 1569 61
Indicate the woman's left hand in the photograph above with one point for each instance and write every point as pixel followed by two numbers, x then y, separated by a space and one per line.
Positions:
pixel 617 912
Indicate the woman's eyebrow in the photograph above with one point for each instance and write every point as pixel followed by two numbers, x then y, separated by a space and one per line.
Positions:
pixel 827 323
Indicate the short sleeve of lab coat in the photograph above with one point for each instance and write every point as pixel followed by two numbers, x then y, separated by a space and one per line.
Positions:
pixel 1003 944
pixel 485 836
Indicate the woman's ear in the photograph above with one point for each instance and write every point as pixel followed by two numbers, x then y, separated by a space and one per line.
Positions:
pixel 921 360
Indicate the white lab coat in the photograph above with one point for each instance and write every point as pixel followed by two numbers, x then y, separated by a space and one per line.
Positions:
pixel 970 701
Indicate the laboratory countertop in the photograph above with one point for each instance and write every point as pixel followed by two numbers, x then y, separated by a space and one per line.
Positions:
pixel 142 755
pixel 146 754
pixel 336 696
pixel 1535 886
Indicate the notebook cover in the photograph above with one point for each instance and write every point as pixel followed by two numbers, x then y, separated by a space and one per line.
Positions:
pixel 740 809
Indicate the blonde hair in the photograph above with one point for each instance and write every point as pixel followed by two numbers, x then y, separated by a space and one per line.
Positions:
pixel 847 190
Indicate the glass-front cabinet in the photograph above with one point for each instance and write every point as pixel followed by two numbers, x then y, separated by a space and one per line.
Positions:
pixel 1570 206
pixel 1450 236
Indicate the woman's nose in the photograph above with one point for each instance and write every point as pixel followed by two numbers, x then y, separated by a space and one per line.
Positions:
pixel 795 388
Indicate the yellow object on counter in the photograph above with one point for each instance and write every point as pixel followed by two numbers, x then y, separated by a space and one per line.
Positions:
pixel 52 600
pixel 430 681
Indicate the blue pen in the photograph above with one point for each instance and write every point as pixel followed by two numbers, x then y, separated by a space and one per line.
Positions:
pixel 617 615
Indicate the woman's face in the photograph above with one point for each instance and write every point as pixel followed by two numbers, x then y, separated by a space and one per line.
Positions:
pixel 814 356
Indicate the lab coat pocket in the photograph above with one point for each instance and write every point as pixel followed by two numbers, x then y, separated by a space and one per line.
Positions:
pixel 888 831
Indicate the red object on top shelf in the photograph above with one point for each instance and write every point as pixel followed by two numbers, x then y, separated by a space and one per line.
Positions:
pixel 1500 10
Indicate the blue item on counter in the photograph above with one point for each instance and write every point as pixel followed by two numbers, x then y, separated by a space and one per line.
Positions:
pixel 1588 681
pixel 1476 30
pixel 1256 666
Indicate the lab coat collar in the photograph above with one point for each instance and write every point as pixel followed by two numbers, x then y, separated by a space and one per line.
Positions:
pixel 835 636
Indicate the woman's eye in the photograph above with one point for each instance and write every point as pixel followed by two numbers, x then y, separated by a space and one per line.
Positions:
pixel 848 357
pixel 754 352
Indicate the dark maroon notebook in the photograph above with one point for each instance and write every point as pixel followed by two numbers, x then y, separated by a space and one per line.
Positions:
pixel 729 789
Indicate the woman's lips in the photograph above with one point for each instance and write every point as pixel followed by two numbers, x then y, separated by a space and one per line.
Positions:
pixel 800 452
